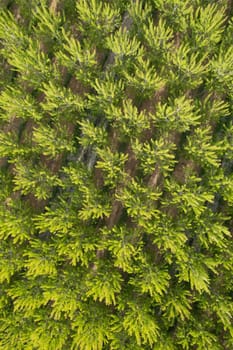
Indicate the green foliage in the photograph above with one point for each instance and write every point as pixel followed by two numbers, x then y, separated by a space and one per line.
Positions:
pixel 207 27
pixel 79 247
pixel 11 147
pixel 139 200
pixel 11 261
pixel 48 25
pixel 78 59
pixel 15 331
pixel 112 166
pixel 52 142
pixel 156 154
pixel 212 233
pixel 195 273
pixel 32 64
pixel 125 49
pixel 154 281
pixel 140 323
pixel 159 39
pixel 178 114
pixel 12 35
pixel 125 246
pixel 186 67
pixel 61 218
pixel 177 304
pixel 222 76
pixel 188 196
pixel 24 105
pixel 34 179
pixel 49 334
pixel 95 203
pixel 98 19
pixel 128 120
pixel 27 297
pixel 175 11
pixel 64 298
pixel 108 92
pixel 60 101
pixel 41 259
pixel 139 11
pixel 91 327
pixel 201 148
pixel 116 185
pixel 16 221
pixel 92 135
pixel 214 108
pixel 145 79
pixel 169 237
pixel 104 286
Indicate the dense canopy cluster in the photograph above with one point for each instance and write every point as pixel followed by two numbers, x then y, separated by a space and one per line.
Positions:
pixel 116 174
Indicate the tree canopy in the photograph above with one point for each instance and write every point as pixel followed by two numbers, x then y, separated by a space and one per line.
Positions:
pixel 116 174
